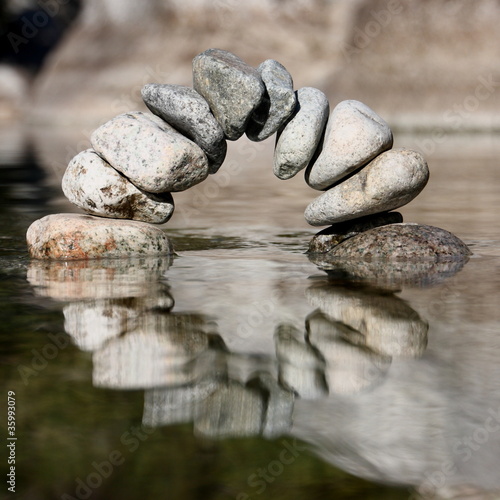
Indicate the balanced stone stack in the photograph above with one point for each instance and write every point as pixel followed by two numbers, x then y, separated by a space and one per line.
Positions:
pixel 138 160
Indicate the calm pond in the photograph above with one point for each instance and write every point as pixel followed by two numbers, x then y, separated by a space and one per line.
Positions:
pixel 238 369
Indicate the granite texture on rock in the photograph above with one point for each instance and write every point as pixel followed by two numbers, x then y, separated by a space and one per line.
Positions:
pixel 72 236
pixel 405 241
pixel 232 88
pixel 388 182
pixel 96 187
pixel 189 113
pixel 150 153
pixel 278 103
pixel 298 140
pixel 355 135
pixel 328 238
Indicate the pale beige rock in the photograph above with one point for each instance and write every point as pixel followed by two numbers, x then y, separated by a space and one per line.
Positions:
pixel 355 134
pixel 73 236
pixel 150 153
pixel 300 137
pixel 389 181
pixel 93 185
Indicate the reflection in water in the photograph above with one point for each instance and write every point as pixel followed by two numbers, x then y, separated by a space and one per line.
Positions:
pixel 349 372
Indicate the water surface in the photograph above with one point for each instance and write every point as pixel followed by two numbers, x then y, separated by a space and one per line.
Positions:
pixel 237 368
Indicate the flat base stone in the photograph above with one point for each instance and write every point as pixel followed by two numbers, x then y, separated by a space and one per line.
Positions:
pixel 74 236
pixel 396 255
pixel 325 240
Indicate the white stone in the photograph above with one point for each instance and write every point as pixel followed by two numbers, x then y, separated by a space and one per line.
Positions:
pixel 97 188
pixel 355 135
pixel 150 153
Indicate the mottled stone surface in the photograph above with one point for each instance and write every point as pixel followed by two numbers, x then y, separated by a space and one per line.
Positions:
pixel 381 322
pixel 187 111
pixel 355 135
pixel 405 241
pixel 298 140
pixel 232 88
pixel 278 103
pixel 150 153
pixel 72 236
pixel 96 187
pixel 326 239
pixel 389 181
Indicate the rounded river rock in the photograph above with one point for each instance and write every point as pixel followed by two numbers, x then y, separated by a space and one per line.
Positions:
pixel 232 88
pixel 150 153
pixel 298 140
pixel 73 236
pixel 187 111
pixel 96 187
pixel 355 135
pixel 389 181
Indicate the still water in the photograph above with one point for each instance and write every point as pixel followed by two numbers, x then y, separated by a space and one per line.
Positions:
pixel 238 369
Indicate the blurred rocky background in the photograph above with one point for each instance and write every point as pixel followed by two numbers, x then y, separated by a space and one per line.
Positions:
pixel 418 63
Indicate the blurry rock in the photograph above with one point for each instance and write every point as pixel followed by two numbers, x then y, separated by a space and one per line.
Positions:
pixel 92 322
pixel 72 236
pixel 330 237
pixel 232 88
pixel 96 187
pixel 301 369
pixel 103 279
pixel 176 405
pixel 150 153
pixel 390 181
pixel 349 368
pixel 391 274
pixel 164 349
pixel 14 86
pixel 298 140
pixel 355 135
pixel 187 111
pixel 381 322
pixel 279 408
pixel 278 103
pixel 232 410
pixel 405 241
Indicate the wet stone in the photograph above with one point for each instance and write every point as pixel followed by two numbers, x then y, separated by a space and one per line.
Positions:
pixel 388 182
pixel 298 140
pixel 189 113
pixel 405 241
pixel 150 153
pixel 278 103
pixel 73 236
pixel 355 135
pixel 96 187
pixel 232 88
pixel 328 238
